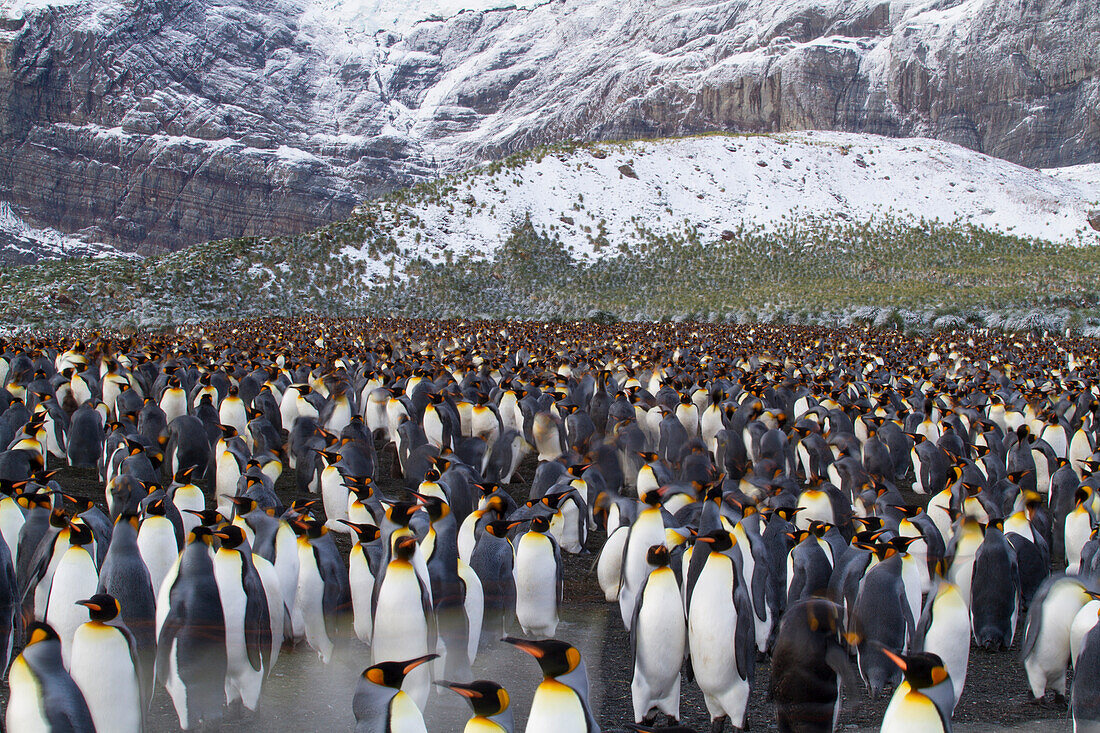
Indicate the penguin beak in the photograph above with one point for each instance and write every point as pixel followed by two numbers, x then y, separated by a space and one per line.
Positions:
pixel 414 663
pixel 526 646
pixel 90 605
pixel 902 664
pixel 463 690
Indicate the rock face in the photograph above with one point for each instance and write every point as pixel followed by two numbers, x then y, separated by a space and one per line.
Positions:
pixel 154 124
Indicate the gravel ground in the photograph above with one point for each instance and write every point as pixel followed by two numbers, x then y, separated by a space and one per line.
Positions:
pixel 303 694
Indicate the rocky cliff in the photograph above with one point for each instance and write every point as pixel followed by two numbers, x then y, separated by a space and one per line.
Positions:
pixel 154 124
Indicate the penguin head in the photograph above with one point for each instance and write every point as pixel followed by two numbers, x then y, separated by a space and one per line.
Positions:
pixel 364 532
pixel 921 670
pixel 228 431
pixel 657 556
pixel 651 497
pixel 207 517
pixel 155 508
pixel 39 632
pixel 719 540
pixel 80 534
pixel 405 547
pixel 500 527
pixel 201 533
pixel 392 674
pixel 102 607
pixel 231 536
pixel 400 512
pixel 360 486
pixel 486 698
pixel 555 658
pixel 540 524
pixel 242 504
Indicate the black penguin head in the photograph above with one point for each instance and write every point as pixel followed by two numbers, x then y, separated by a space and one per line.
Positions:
pixel 719 540
pixel 555 658
pixel 436 507
pixel 228 431
pixel 485 697
pixel 657 556
pixel 500 527
pixel 405 547
pixel 364 532
pixel 540 523
pixel 651 497
pixel 207 517
pixel 392 674
pixel 155 508
pixel 921 670
pixel 242 504
pixel 400 512
pixel 39 632
pixel 80 534
pixel 231 536
pixel 102 607
pixel 201 533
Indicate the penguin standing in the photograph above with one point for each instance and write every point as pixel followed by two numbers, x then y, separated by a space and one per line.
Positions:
pixel 191 658
pixel 362 570
pixel 75 578
pixel 1085 693
pixel 493 561
pixel 944 621
pixel 809 663
pixel 561 699
pixel 1046 648
pixel 381 706
pixel 647 530
pixel 247 618
pixel 404 625
pixel 125 578
pixel 323 597
pixel 43 696
pixel 658 641
pixel 721 634
pixel 540 579
pixel 156 540
pixel 105 667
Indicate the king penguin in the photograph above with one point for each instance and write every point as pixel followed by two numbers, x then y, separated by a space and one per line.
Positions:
pixel 105 667
pixel 490 703
pixel 561 700
pixel 247 618
pixel 540 579
pixel 658 641
pixel 191 658
pixel 917 705
pixel 42 695
pixel 381 706
pixel 721 634
pixel 404 624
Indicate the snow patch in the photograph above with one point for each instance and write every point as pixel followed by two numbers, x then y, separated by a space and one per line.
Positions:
pixel 715 183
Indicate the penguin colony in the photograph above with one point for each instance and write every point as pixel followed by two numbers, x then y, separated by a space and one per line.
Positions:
pixel 746 481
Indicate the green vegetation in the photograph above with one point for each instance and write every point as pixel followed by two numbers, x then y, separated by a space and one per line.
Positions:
pixel 386 260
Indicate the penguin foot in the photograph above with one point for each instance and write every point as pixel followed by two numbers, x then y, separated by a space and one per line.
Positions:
pixel 719 724
pixel 1060 700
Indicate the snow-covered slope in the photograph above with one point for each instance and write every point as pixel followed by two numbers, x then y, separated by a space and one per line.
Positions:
pixel 706 185
pixel 22 243
pixel 378 94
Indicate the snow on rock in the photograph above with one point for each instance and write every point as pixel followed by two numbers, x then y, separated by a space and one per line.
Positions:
pixel 718 182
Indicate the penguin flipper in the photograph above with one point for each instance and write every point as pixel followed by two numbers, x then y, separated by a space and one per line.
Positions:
pixel 257 619
pixel 745 636
pixel 760 577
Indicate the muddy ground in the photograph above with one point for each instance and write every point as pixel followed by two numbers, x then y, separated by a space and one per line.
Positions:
pixel 303 694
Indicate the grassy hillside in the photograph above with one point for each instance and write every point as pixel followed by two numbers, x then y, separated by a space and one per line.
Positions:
pixel 485 243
